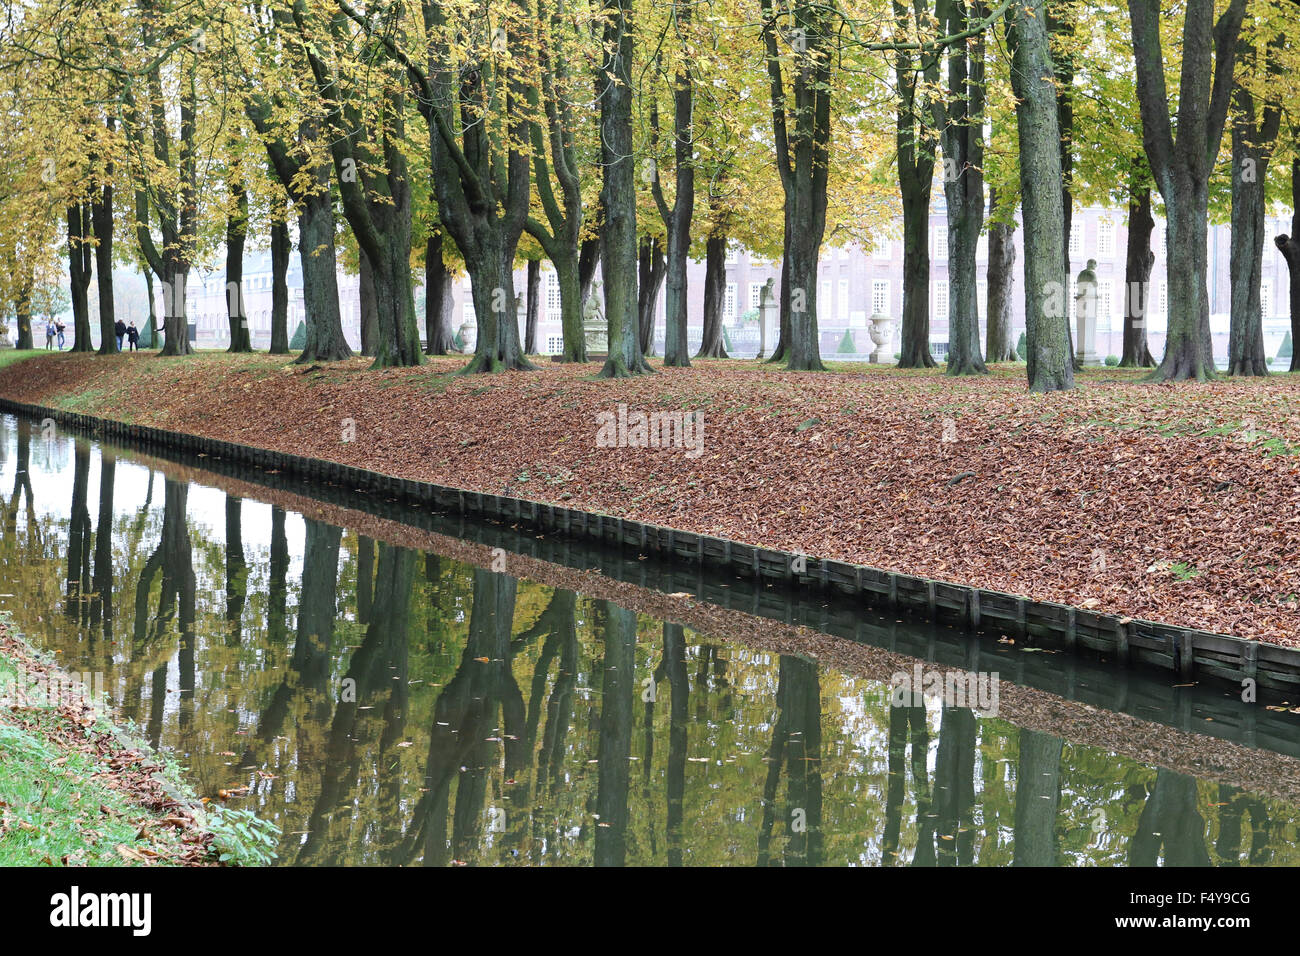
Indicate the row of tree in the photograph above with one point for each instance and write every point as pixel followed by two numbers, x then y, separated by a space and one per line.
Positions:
pixel 473 134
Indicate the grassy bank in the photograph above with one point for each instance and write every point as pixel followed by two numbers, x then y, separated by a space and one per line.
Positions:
pixel 1175 503
pixel 77 791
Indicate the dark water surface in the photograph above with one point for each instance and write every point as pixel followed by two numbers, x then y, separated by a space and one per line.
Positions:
pixel 391 706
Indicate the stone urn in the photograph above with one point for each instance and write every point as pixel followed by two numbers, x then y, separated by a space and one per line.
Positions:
pixel 5 343
pixel 882 333
pixel 468 334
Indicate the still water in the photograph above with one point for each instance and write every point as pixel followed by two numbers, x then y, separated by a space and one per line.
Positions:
pixel 388 705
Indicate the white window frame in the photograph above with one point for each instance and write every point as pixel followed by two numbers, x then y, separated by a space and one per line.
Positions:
pixel 880 301
pixel 1076 237
pixel 1105 238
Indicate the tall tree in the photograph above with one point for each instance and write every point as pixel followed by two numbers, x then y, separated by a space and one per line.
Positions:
pixel 1182 165
pixel 1138 260
pixel 1050 364
pixel 471 96
pixel 960 117
pixel 81 247
pixel 438 337
pixel 236 234
pixel 366 144
pixel 101 218
pixel 801 126
pixel 999 344
pixel 677 217
pixel 618 235
pixel 1255 127
pixel 554 135
pixel 916 73
pixel 1289 246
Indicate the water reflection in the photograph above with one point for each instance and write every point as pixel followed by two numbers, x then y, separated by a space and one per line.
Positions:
pixel 390 706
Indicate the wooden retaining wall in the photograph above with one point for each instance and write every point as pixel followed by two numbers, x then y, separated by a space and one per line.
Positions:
pixel 1191 654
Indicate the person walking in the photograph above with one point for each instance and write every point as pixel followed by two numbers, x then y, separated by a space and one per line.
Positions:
pixel 133 337
pixel 60 328
pixel 119 329
pixel 49 334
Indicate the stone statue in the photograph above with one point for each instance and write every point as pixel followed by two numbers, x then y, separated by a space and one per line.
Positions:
pixel 594 330
pixel 1085 301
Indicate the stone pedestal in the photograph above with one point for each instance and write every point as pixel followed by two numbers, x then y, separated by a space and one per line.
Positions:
pixel 1085 340
pixel 4 340
pixel 767 315
pixel 596 335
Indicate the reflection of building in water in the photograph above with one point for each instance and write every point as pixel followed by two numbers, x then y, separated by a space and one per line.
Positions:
pixel 855 283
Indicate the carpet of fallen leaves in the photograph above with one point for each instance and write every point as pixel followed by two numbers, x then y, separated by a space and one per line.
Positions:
pixel 169 833
pixel 1176 503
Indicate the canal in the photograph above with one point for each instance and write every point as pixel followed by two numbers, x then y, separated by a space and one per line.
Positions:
pixel 398 689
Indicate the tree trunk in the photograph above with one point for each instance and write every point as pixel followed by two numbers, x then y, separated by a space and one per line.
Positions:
pixel 1000 346
pixel 80 247
pixel 369 307
pixel 1050 364
pixel 150 331
pixel 614 744
pixel 915 351
pixel 1187 352
pixel 438 337
pixel 573 296
pixel 236 231
pixel 651 267
pixel 715 293
pixel 1059 23
pixel 805 253
pixel 678 219
pixel 1137 280
pixel 398 341
pixel 176 329
pixel 1252 149
pixel 963 150
pixel 1038 799
pixel 1290 249
pixel 618 198
pixel 280 248
pixel 23 313
pixel 320 284
pixel 101 216
pixel 491 278
pixel 588 260
pixel 530 315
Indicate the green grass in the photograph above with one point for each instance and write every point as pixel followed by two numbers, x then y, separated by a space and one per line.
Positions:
pixel 55 810
pixel 51 805
pixel 10 356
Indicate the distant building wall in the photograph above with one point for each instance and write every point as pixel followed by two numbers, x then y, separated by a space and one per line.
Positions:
pixel 853 284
